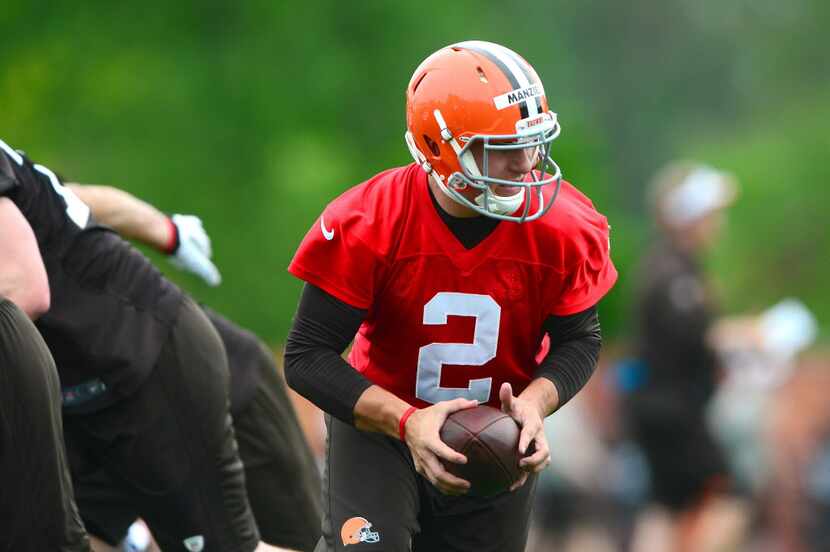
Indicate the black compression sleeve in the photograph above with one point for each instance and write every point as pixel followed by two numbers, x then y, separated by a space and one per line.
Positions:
pixel 575 341
pixel 323 328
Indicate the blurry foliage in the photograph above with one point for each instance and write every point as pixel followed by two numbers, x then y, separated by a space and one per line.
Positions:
pixel 778 239
pixel 255 114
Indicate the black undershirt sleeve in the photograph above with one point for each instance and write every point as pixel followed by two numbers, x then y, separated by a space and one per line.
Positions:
pixel 323 327
pixel 575 341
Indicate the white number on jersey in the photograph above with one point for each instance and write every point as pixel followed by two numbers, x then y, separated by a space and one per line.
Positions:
pixel 432 357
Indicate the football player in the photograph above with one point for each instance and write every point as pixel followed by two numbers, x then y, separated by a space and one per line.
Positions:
pixel 280 474
pixel 37 507
pixel 680 368
pixel 447 273
pixel 144 377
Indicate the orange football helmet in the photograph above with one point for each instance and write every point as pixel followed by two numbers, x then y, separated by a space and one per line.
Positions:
pixel 356 530
pixel 481 92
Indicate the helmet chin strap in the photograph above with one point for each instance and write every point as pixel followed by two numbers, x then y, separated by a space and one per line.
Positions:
pixel 501 205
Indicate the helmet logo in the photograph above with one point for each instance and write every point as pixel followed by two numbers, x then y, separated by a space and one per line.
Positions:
pixel 523 126
pixel 519 95
pixel 529 123
pixel 356 530
pixel 196 543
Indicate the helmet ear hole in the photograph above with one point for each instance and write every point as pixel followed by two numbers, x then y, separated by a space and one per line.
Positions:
pixel 433 147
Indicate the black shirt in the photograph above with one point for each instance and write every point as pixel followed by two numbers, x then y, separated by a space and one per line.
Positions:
pixel 674 314
pixel 111 309
pixel 246 353
pixel 470 231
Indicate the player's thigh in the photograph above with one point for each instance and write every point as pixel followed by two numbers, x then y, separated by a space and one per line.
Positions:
pixel 282 478
pixel 37 508
pixel 211 505
pixel 460 524
pixel 108 506
pixel 370 492
pixel 245 356
pixel 683 457
pixel 686 468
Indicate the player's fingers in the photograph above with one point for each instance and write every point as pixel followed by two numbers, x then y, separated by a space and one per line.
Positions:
pixel 506 397
pixel 207 271
pixel 458 404
pixel 205 245
pixel 444 480
pixel 445 452
pixel 200 240
pixel 451 491
pixel 419 467
pixel 452 485
pixel 519 482
pixel 536 462
pixel 530 431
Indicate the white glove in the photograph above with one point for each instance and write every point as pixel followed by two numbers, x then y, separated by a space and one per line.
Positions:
pixel 193 253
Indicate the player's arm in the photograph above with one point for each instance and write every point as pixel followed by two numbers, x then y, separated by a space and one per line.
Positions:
pixel 323 327
pixel 314 367
pixel 23 277
pixel 126 214
pixel 180 236
pixel 575 342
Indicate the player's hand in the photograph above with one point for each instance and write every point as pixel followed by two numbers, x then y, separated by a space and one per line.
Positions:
pixel 194 252
pixel 528 417
pixel 427 448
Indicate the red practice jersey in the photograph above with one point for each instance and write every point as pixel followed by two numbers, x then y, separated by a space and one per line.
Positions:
pixel 444 321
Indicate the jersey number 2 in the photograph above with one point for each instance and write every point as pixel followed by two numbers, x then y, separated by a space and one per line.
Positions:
pixel 432 357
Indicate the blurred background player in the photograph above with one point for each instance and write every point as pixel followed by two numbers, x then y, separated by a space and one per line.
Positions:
pixel 678 369
pixel 144 378
pixel 37 507
pixel 447 273
pixel 280 472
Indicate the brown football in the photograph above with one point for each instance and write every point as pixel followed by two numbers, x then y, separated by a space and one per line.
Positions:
pixel 489 439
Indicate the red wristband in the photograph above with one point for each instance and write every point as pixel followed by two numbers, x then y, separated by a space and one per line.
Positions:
pixel 402 423
pixel 172 241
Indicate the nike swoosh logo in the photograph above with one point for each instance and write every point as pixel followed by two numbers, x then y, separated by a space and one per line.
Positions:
pixel 328 234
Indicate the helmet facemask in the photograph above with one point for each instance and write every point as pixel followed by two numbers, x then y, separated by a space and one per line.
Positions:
pixel 367 535
pixel 495 103
pixel 545 129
